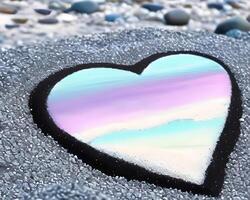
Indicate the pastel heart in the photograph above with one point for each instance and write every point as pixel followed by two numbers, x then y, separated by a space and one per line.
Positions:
pixel 166 118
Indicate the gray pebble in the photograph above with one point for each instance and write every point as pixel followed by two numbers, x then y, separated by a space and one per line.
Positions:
pixel 48 21
pixel 177 17
pixel 87 7
pixel 233 23
pixel 43 11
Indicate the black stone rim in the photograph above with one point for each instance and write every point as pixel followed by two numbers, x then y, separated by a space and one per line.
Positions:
pixel 117 167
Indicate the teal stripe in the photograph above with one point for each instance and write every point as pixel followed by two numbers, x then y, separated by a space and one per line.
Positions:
pixel 175 128
pixel 93 80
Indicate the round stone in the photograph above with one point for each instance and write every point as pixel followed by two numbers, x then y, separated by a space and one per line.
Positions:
pixel 20 20
pixel 234 33
pixel 43 11
pixel 11 26
pixel 57 5
pixel 216 5
pixel 248 18
pixel 48 21
pixel 8 9
pixel 233 23
pixel 177 17
pixel 112 17
pixel 154 7
pixel 87 7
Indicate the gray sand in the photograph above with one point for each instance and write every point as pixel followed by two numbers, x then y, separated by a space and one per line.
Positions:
pixel 30 161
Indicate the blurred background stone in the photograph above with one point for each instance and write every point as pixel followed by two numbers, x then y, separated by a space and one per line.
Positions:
pixel 80 17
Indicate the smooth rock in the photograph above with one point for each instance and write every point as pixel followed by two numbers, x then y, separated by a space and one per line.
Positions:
pixel 20 20
pixel 154 7
pixel 11 26
pixel 234 33
pixel 57 5
pixel 177 17
pixel 8 9
pixel 112 17
pixel 234 3
pixel 215 5
pixel 43 11
pixel 87 7
pixel 233 23
pixel 248 18
pixel 48 21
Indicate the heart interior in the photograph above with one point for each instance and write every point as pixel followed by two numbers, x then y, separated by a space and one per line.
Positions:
pixel 168 119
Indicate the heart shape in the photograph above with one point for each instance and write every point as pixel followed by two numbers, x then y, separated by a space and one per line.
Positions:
pixel 171 119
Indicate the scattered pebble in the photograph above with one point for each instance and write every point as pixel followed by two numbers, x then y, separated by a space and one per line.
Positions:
pixel 57 5
pixel 20 20
pixel 11 26
pixel 43 11
pixel 112 17
pixel 87 7
pixel 234 33
pixel 248 18
pixel 48 21
pixel 129 14
pixel 233 23
pixel 177 17
pixel 154 7
pixel 8 9
pixel 215 5
pixel 234 3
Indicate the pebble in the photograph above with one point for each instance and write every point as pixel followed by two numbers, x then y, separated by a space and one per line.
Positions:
pixel 248 18
pixel 57 5
pixel 43 11
pixel 112 17
pixel 87 7
pixel 234 3
pixel 11 26
pixel 20 20
pixel 154 7
pixel 234 33
pixel 215 5
pixel 233 23
pixel 177 17
pixel 8 9
pixel 48 21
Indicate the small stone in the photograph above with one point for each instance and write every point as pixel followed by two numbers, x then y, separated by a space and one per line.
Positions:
pixel 11 26
pixel 187 5
pixel 20 20
pixel 234 33
pixel 215 5
pixel 87 7
pixel 177 17
pixel 154 7
pixel 112 17
pixel 248 18
pixel 8 9
pixel 233 23
pixel 57 5
pixel 43 11
pixel 48 21
pixel 234 3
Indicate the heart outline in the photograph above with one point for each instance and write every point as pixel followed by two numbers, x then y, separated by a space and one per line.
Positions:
pixel 215 172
